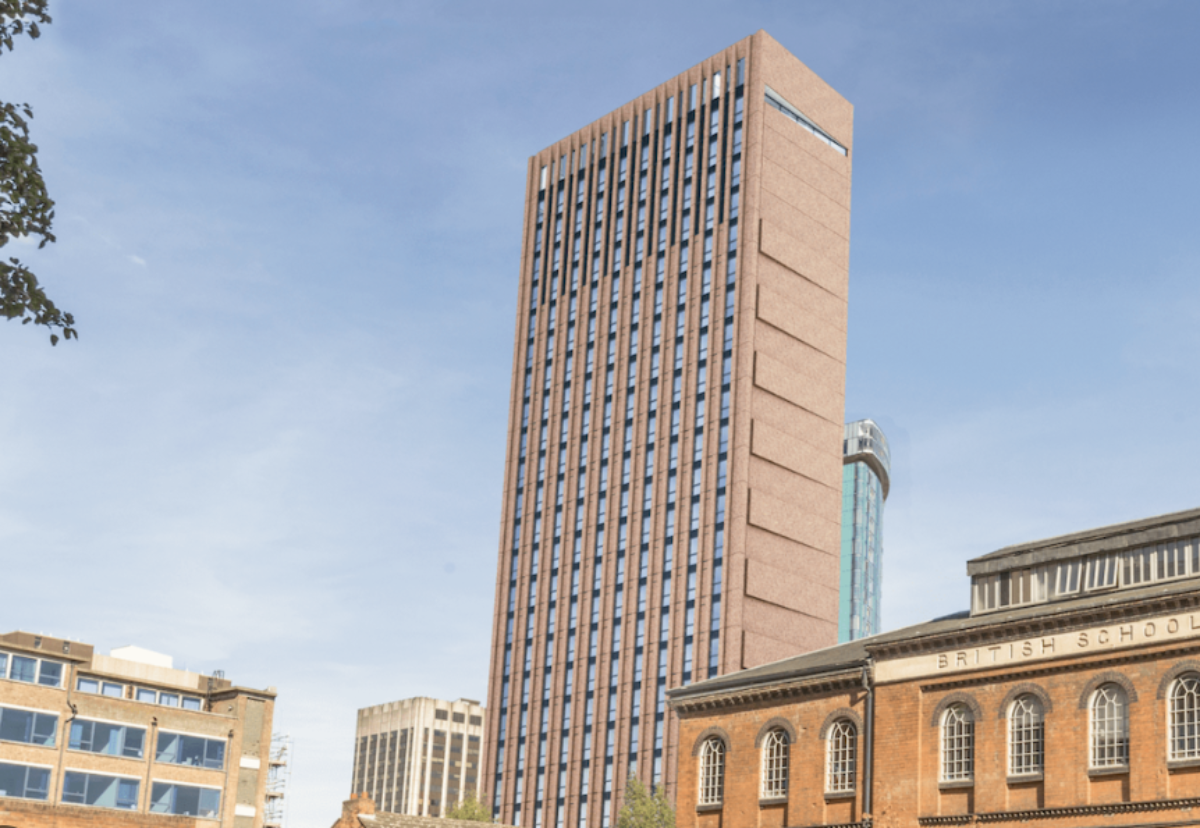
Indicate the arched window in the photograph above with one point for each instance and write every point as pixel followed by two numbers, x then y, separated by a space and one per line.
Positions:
pixel 843 744
pixel 1185 718
pixel 958 744
pixel 1110 727
pixel 712 771
pixel 1026 736
pixel 775 765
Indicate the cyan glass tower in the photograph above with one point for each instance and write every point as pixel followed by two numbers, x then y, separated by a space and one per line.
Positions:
pixel 866 464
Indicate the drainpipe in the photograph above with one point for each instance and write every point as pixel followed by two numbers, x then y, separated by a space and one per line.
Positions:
pixel 868 741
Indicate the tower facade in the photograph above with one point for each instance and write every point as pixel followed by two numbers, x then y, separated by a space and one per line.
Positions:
pixel 866 479
pixel 418 756
pixel 672 487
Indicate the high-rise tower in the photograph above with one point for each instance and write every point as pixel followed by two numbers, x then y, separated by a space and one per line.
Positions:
pixel 866 474
pixel 673 480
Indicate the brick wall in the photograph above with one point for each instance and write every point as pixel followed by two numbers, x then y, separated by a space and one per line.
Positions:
pixel 15 813
pixel 906 768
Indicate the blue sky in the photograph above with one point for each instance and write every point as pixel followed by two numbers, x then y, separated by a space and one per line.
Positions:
pixel 289 233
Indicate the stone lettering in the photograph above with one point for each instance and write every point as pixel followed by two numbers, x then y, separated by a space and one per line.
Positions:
pixel 1047 646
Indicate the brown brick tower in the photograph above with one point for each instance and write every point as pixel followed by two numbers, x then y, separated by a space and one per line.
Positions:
pixel 673 481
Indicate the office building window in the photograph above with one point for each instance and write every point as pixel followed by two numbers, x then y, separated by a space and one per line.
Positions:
pixel 111 739
pixel 27 726
pixel 24 781
pixel 195 751
pixel 185 800
pixel 31 670
pixel 100 791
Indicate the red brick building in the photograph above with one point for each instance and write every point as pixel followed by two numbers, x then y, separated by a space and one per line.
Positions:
pixel 1068 695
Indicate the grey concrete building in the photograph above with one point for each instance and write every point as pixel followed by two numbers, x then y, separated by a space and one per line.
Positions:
pixel 418 756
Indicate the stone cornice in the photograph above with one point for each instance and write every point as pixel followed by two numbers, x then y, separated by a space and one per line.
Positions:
pixel 1035 625
pixel 1058 813
pixel 773 692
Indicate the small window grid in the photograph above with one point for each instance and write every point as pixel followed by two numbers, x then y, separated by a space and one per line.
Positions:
pixel 712 772
pixel 775 765
pixel 958 744
pixel 842 756
pixel 102 688
pixel 164 698
pixel 31 670
pixel 1026 737
pixel 1108 570
pixel 1184 717
pixel 1109 720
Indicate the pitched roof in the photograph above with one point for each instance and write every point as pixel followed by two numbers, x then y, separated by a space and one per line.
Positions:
pixel 1118 536
pixel 856 654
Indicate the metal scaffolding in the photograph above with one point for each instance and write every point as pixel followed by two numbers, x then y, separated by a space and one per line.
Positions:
pixel 278 774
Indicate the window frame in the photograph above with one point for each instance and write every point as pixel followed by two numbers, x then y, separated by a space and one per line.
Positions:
pixel 775 765
pixel 1029 735
pixel 711 776
pixel 123 747
pixel 205 762
pixel 8 660
pixel 1173 715
pixel 1120 749
pixel 965 743
pixel 32 726
pixel 28 766
pixel 89 775
pixel 841 741
pixel 176 785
